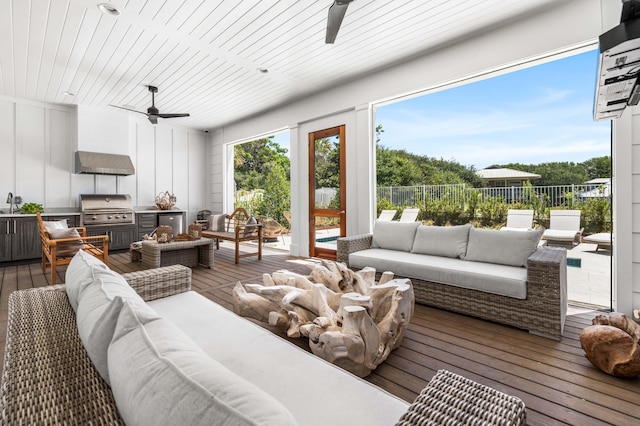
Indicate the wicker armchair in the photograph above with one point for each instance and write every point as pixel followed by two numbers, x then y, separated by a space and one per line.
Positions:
pixel 59 252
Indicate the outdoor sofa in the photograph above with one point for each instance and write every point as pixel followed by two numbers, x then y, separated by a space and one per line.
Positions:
pixel 142 349
pixel 502 276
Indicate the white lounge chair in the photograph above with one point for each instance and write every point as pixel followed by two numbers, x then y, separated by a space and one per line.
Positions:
pixel 519 220
pixel 409 215
pixel 387 215
pixel 564 228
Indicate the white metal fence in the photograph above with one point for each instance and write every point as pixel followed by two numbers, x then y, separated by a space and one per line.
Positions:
pixel 553 195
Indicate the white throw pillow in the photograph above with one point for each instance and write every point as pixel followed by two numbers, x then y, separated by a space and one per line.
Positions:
pixel 446 241
pixel 80 274
pixel 502 247
pixel 99 306
pixel 160 376
pixel 394 235
pixel 50 225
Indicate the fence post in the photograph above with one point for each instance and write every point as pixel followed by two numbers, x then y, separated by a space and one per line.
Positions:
pixel 573 194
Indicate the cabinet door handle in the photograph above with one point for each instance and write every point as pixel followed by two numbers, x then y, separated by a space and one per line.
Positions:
pixel 15 226
pixel 8 230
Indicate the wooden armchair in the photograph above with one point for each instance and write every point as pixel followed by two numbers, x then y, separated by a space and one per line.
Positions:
pixel 237 230
pixel 59 251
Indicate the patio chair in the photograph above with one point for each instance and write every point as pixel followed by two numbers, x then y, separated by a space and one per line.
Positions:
pixel 60 244
pixel 564 228
pixel 387 215
pixel 519 220
pixel 409 215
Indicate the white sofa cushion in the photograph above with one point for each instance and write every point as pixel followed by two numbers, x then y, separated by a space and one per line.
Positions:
pixel 560 235
pixel 80 274
pixel 99 306
pixel 511 248
pixel 303 383
pixel 504 280
pixel 394 235
pixel 448 241
pixel 160 376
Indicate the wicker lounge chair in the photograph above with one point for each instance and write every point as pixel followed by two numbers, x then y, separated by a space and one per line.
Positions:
pixel 564 228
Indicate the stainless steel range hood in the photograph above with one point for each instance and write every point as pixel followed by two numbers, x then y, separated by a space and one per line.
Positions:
pixel 103 164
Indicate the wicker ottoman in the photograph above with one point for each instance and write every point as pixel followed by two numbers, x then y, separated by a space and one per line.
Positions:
pixel 187 253
pixel 450 399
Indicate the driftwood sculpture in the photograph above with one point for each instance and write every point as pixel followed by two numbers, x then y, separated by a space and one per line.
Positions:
pixel 612 344
pixel 349 319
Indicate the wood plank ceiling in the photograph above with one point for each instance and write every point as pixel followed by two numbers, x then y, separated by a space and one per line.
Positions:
pixel 205 55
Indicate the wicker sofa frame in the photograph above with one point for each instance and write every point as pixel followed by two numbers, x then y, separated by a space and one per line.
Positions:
pixel 47 376
pixel 543 312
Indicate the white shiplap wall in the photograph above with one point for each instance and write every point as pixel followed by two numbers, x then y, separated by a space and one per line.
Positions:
pixel 38 142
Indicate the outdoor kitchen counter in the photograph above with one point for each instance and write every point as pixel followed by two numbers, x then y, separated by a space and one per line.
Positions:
pixel 46 213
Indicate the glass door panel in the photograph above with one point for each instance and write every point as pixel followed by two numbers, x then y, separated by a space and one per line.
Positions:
pixel 326 191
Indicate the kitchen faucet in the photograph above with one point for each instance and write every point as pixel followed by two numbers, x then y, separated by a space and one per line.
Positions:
pixel 10 202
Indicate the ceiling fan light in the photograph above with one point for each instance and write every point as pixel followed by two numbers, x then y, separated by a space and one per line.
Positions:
pixel 108 9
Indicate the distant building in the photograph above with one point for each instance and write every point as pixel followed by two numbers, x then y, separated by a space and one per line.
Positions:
pixel 501 177
pixel 599 188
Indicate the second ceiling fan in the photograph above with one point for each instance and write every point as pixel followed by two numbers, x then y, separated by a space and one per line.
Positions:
pixel 152 112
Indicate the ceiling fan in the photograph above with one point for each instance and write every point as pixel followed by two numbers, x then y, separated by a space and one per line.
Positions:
pixel 152 112
pixel 336 13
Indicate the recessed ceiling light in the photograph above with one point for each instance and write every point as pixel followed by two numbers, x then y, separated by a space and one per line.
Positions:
pixel 68 93
pixel 263 70
pixel 108 9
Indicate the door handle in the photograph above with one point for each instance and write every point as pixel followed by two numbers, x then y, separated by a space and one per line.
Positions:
pixel 15 226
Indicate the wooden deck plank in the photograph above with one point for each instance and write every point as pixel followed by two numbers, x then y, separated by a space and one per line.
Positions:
pixel 554 379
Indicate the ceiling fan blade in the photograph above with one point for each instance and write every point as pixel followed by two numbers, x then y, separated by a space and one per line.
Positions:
pixel 129 109
pixel 172 115
pixel 336 13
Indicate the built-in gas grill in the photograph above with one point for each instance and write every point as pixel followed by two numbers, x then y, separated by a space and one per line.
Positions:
pixel 106 209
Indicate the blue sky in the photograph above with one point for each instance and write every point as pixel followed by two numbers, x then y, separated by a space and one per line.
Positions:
pixel 535 115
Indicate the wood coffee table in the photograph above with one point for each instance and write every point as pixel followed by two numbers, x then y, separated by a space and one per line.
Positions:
pixel 187 253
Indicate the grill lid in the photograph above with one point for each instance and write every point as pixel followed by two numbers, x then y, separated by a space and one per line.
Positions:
pixel 105 202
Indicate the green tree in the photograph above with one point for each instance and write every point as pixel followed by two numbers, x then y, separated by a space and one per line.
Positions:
pixel 598 167
pixel 252 161
pixel 276 198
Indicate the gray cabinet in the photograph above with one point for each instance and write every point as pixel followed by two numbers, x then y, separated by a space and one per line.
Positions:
pixel 120 236
pixel 19 239
pixel 5 240
pixel 147 222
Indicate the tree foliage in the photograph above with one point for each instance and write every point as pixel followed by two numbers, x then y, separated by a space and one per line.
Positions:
pixel 263 164
pixel 252 161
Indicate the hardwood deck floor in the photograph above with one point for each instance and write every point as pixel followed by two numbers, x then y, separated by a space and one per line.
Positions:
pixel 554 379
